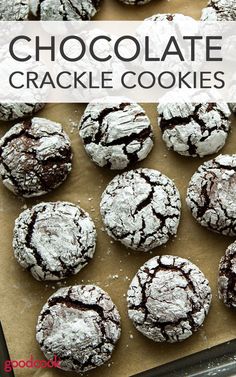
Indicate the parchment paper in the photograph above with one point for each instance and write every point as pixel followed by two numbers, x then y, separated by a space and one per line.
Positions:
pixel 22 297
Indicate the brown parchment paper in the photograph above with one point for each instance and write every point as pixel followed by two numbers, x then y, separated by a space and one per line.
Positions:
pixel 22 297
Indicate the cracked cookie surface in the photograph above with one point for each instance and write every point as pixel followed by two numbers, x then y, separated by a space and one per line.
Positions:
pixel 168 299
pixel 54 240
pixel 233 107
pixel 116 133
pixel 196 129
pixel 35 157
pixel 141 209
pixel 81 325
pixel 64 10
pixel 14 10
pixel 219 10
pixel 12 111
pixel 227 277
pixel 211 195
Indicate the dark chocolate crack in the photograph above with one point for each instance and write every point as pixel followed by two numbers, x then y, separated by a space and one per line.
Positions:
pixel 148 319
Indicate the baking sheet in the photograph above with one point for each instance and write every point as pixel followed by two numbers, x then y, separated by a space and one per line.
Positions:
pixel 22 297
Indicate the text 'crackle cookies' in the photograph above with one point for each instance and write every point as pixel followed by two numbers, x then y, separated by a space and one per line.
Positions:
pixel 211 195
pixel 35 157
pixel 54 240
pixel 168 299
pixel 141 209
pixel 81 325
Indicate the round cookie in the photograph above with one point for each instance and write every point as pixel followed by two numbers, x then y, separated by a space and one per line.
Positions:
pixel 168 299
pixel 12 111
pixel 194 129
pixel 64 10
pixel 35 157
pixel 116 133
pixel 211 195
pixel 141 209
pixel 80 325
pixel 14 10
pixel 135 2
pixel 54 240
pixel 219 10
pixel 227 277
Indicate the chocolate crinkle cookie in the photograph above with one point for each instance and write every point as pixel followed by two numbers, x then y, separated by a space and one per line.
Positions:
pixel 35 157
pixel 168 299
pixel 141 209
pixel 80 325
pixel 135 2
pixel 14 10
pixel 116 133
pixel 54 240
pixel 219 10
pixel 12 111
pixel 227 277
pixel 196 129
pixel 64 10
pixel 211 195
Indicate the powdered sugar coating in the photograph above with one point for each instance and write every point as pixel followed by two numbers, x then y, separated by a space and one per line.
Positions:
pixel 141 209
pixel 168 299
pixel 116 133
pixel 35 157
pixel 64 10
pixel 14 10
pixel 219 10
pixel 54 240
pixel 135 2
pixel 12 111
pixel 211 195
pixel 227 277
pixel 196 129
pixel 233 107
pixel 80 325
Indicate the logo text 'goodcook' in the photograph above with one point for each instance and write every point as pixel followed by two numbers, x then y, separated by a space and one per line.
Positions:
pixel 31 363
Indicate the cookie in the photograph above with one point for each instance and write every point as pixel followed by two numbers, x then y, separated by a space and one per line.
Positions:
pixel 64 10
pixel 227 277
pixel 196 129
pixel 81 325
pixel 211 195
pixel 116 133
pixel 168 299
pixel 135 2
pixel 141 209
pixel 12 111
pixel 219 10
pixel 35 157
pixel 54 240
pixel 14 10
pixel 233 107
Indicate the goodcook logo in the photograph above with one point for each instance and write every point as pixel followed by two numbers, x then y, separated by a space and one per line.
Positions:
pixel 31 363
